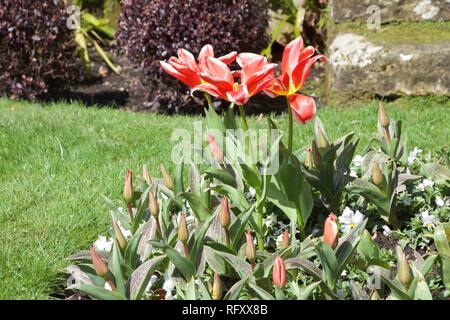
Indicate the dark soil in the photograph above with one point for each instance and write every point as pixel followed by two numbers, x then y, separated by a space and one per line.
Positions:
pixel 391 241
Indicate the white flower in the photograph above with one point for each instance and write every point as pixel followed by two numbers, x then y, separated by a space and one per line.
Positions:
pixel 169 284
pixel 353 174
pixel 357 160
pixel 350 219
pixel 413 155
pixel 252 192
pixel 428 183
pixel 107 286
pixel 439 201
pixel 103 244
pixel 428 219
pixel 424 184
pixel 279 240
pixel 270 220
pixel 152 281
pixel 407 201
pixel 282 225
pixel 386 230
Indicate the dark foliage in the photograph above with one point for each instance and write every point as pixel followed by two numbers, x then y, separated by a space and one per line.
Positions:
pixel 150 31
pixel 37 52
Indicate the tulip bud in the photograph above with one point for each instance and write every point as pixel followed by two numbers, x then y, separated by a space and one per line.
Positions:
pixel 183 234
pixel 217 289
pixel 285 239
pixel 225 217
pixel 377 175
pixel 330 233
pixel 146 175
pixel 382 116
pixel 316 154
pixel 99 265
pixel 309 163
pixel 215 150
pixel 322 141
pixel 279 273
pixel 168 181
pixel 404 273
pixel 128 187
pixel 119 235
pixel 153 204
pixel 250 250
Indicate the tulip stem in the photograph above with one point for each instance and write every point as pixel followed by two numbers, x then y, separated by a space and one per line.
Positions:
pixel 290 126
pixel 186 250
pixel 244 119
pixel 208 98
pixel 259 235
pixel 130 210
pixel 227 236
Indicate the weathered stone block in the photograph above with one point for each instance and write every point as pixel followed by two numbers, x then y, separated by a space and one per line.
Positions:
pixel 391 10
pixel 358 66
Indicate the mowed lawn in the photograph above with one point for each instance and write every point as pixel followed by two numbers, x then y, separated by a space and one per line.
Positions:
pixel 56 160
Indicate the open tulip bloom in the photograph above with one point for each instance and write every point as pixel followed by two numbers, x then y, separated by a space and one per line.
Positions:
pixel 187 70
pixel 213 76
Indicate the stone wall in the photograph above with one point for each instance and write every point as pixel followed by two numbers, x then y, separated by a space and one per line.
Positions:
pixel 408 57
pixel 391 10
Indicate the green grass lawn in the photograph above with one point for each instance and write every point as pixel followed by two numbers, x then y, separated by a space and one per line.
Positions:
pixel 56 161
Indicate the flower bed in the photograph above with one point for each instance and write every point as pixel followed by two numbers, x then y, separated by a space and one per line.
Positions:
pixel 315 223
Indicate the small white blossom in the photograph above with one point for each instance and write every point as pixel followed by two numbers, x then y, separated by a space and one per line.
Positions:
pixel 407 201
pixel 429 220
pixel 103 244
pixel 168 286
pixel 282 225
pixel 270 220
pixel 357 160
pixel 152 281
pixel 386 230
pixel 107 286
pixel 413 155
pixel 439 201
pixel 425 184
pixel 279 240
pixel 252 192
pixel 350 219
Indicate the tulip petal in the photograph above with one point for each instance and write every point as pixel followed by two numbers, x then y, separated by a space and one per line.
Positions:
pixel 255 79
pixel 291 55
pixel 218 70
pixel 207 51
pixel 228 58
pixel 303 107
pixel 250 63
pixel 188 59
pixel 240 96
pixel 308 65
pixel 190 81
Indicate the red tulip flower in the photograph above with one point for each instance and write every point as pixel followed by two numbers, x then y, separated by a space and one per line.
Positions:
pixel 186 69
pixel 219 80
pixel 330 232
pixel 295 69
pixel 279 273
